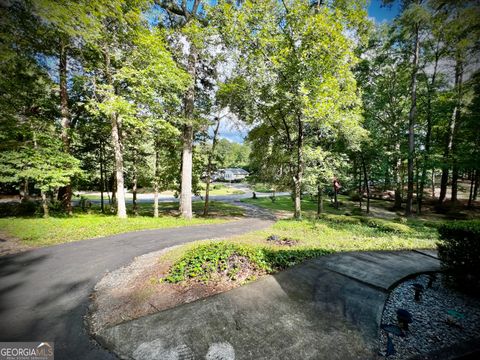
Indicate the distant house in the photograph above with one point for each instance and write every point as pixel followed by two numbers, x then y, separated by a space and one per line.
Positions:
pixel 232 174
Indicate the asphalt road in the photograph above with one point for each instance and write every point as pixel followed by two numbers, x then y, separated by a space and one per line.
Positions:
pixel 44 292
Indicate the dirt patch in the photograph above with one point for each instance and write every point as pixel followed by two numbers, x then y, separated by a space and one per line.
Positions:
pixel 10 245
pixel 135 290
pixel 277 240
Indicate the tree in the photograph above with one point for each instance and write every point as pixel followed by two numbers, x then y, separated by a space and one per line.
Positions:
pixel 188 22
pixel 64 32
pixel 461 32
pixel 140 78
pixel 281 83
pixel 410 23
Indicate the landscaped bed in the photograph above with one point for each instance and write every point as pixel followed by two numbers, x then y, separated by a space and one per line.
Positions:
pixel 442 319
pixel 196 270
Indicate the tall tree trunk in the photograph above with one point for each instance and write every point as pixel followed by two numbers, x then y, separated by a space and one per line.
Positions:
pixel 360 192
pixel 367 186
pixel 44 204
pixel 155 180
pixel 470 197
pixel 116 124
pixel 299 171
pixel 398 179
pixel 433 184
pixel 118 150
pixel 187 138
pixel 155 199
pixel 446 157
pixel 477 183
pixel 209 167
pixel 187 168
pixel 319 201
pixel 114 191
pixel 455 170
pixel 411 124
pixel 102 202
pixel 426 157
pixel 66 191
pixel 134 188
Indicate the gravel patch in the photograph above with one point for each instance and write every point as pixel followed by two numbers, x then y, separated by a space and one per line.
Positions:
pixel 441 319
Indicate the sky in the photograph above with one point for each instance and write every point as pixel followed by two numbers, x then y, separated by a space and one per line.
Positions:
pixel 383 13
pixel 376 12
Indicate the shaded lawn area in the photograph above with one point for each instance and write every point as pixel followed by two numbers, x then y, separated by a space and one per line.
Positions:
pixel 36 231
pixel 309 205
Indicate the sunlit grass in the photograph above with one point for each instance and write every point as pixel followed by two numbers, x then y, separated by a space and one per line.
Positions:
pixel 36 231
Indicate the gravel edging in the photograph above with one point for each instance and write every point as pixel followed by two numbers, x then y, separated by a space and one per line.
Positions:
pixel 434 333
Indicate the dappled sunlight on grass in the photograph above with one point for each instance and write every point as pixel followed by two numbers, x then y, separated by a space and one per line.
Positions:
pixel 36 231
pixel 56 230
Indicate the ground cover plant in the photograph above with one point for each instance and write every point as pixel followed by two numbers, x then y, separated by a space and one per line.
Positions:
pixel 302 240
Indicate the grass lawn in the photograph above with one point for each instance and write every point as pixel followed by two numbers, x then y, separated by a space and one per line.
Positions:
pixel 262 188
pixel 306 239
pixel 221 189
pixel 343 229
pixel 36 231
pixel 215 189
pixel 309 205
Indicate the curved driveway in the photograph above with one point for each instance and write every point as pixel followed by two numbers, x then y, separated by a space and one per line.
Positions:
pixel 44 292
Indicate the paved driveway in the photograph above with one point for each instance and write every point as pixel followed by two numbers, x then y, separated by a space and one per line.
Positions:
pixel 44 292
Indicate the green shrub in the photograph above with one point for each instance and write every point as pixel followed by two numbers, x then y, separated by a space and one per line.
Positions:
pixel 386 225
pixel 24 208
pixel 459 253
pixel 354 196
pixel 340 219
pixel 206 261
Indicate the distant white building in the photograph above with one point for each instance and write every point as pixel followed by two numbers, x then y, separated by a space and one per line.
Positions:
pixel 232 174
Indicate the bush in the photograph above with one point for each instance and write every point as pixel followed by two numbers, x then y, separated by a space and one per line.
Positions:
pixel 459 253
pixel 340 219
pixel 207 261
pixel 385 225
pixel 354 196
pixel 24 208
pixel 401 220
pixel 204 261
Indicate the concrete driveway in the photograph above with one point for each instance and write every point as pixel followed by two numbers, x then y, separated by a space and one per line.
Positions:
pixel 328 308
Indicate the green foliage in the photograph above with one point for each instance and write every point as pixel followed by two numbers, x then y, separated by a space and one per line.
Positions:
pixel 205 261
pixel 459 253
pixel 310 238
pixel 385 225
pixel 47 167
pixel 231 155
pixel 376 223
pixel 282 88
pixel 24 208
pixel 340 219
